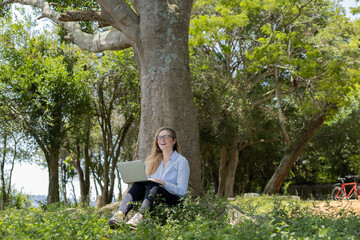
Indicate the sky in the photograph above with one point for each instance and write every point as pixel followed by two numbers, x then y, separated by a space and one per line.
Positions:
pixel 350 3
pixel 33 179
pixel 30 179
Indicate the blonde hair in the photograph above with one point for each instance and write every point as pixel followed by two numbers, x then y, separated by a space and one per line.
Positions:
pixel 154 159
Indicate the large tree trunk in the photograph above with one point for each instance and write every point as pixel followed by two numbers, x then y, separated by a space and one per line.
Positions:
pixel 292 153
pixel 53 166
pixel 166 98
pixel 232 166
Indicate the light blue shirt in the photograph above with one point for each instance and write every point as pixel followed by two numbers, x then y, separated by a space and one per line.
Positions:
pixel 175 174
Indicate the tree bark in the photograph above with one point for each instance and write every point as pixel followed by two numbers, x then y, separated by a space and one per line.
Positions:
pixel 4 195
pixel 222 171
pixel 53 167
pixel 232 166
pixel 293 152
pixel 87 159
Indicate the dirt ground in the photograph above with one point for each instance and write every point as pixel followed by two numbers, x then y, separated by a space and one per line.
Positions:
pixel 335 206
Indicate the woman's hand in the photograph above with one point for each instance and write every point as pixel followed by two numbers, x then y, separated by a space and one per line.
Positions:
pixel 157 181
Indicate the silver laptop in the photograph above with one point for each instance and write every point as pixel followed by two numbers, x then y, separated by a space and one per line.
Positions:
pixel 133 171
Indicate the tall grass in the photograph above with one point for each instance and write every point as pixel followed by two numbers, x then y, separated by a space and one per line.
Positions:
pixel 209 218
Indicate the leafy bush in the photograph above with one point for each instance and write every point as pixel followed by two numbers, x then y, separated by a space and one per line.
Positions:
pixel 17 200
pixel 269 218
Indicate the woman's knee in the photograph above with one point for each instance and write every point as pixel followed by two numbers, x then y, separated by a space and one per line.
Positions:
pixel 154 189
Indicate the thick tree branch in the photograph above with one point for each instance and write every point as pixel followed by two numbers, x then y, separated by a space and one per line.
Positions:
pixel 122 17
pixel 74 16
pixel 110 40
pixel 281 116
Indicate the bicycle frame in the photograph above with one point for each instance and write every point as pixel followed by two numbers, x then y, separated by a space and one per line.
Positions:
pixel 339 195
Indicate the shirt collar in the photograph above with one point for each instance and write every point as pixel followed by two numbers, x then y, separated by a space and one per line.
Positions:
pixel 174 156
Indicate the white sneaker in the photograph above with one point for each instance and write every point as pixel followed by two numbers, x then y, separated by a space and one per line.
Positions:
pixel 135 220
pixel 116 220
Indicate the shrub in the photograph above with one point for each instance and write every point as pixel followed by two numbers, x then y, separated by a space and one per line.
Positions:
pixel 17 200
pixel 273 218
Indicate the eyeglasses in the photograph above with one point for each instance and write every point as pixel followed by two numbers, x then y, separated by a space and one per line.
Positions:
pixel 163 137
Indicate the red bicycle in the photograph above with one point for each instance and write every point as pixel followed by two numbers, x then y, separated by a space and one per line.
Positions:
pixel 350 190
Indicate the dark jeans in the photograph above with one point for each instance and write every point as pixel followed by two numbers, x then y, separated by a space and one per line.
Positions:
pixel 147 192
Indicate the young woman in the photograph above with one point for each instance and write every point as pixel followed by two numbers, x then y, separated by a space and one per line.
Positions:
pixel 168 173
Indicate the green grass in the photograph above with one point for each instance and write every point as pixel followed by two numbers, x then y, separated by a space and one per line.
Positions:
pixel 272 218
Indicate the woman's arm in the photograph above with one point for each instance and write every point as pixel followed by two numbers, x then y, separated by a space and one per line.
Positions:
pixel 183 173
pixel 158 181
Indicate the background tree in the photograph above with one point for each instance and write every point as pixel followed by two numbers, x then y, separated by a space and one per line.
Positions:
pixel 334 150
pixel 330 70
pixel 110 98
pixel 115 109
pixel 272 67
pixel 45 98
pixel 12 151
pixel 12 139
pixel 222 35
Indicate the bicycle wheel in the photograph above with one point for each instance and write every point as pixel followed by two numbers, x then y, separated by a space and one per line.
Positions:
pixel 337 193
